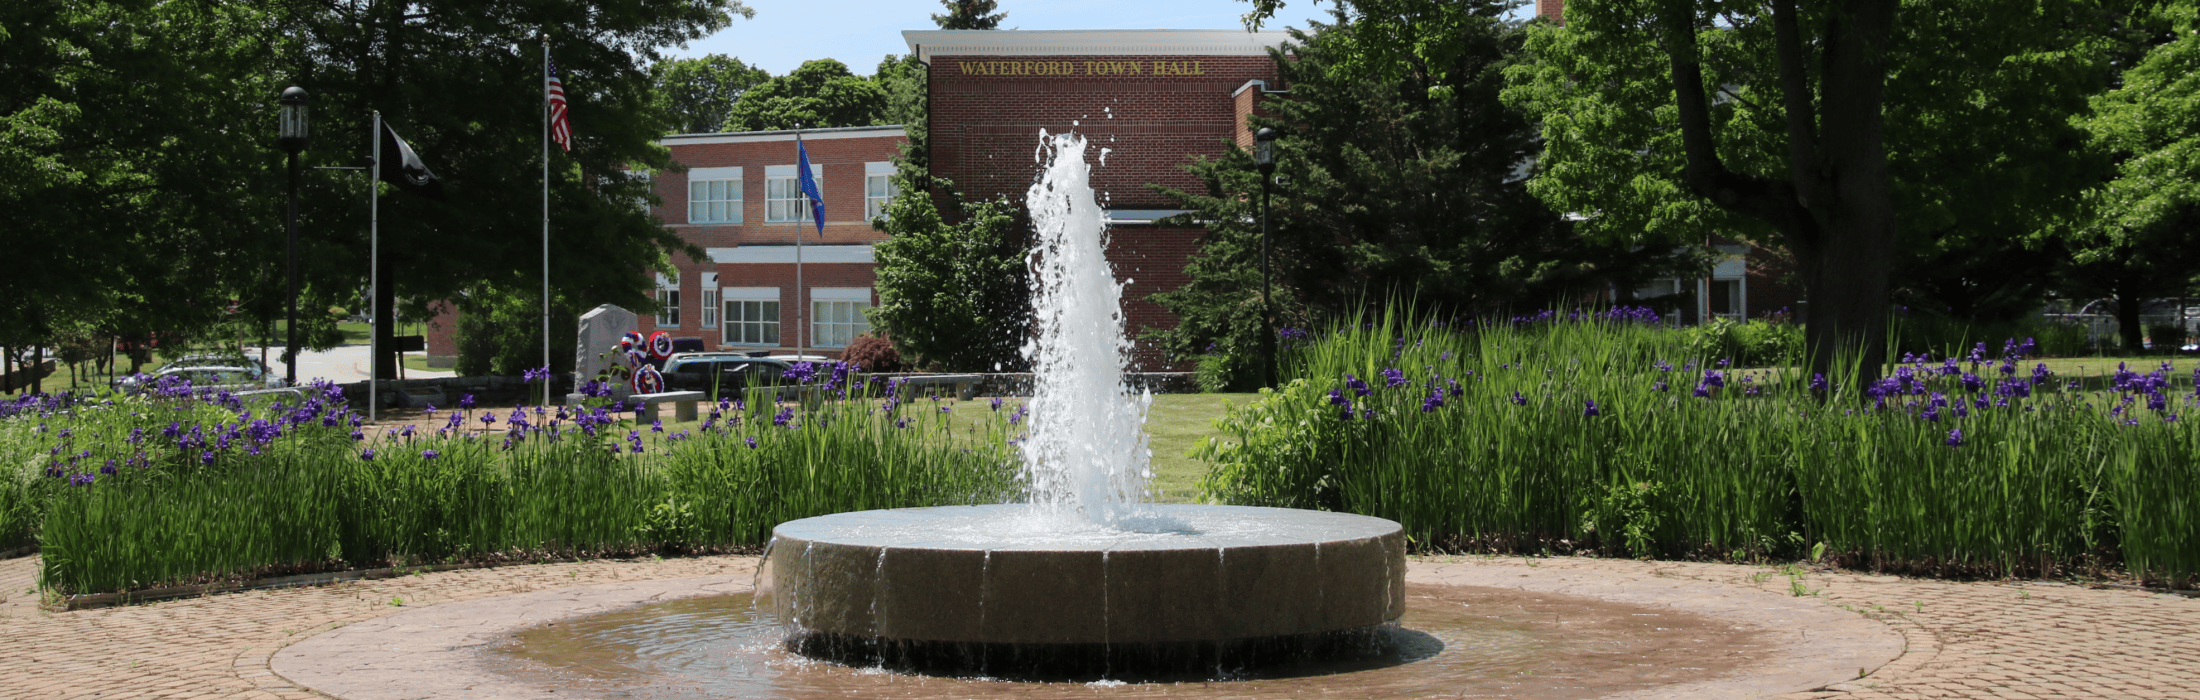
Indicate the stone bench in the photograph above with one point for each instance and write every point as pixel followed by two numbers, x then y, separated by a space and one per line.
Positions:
pixel 683 405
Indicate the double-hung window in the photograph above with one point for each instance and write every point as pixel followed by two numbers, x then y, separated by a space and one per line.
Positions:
pixel 709 305
pixel 783 201
pixel 714 195
pixel 836 315
pixel 752 315
pixel 878 189
pixel 668 301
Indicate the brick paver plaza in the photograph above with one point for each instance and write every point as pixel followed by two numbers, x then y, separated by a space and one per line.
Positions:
pixel 1961 639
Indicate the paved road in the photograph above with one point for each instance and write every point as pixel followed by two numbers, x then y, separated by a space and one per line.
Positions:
pixel 342 364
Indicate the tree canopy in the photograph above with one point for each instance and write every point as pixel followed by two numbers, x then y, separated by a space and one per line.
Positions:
pixel 141 151
pixel 954 295
pixel 970 14
pixel 821 94
pixel 697 94
pixel 2135 237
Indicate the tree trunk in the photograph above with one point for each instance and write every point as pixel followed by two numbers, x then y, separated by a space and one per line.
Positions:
pixel 7 369
pixel 38 362
pixel 1836 208
pixel 2128 329
pixel 385 326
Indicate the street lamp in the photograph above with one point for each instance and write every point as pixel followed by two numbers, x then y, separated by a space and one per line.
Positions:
pixel 1264 159
pixel 292 139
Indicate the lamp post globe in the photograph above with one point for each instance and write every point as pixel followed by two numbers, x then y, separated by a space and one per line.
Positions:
pixel 293 112
pixel 291 137
pixel 1264 159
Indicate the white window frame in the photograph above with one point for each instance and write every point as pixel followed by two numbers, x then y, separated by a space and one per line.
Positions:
pixel 783 201
pixel 714 196
pixel 830 331
pixel 708 306
pixel 739 302
pixel 668 300
pixel 879 189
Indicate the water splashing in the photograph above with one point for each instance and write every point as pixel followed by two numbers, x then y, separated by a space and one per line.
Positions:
pixel 1086 460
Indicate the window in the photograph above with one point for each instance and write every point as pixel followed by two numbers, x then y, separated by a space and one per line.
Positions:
pixel 836 315
pixel 714 196
pixel 783 200
pixel 709 307
pixel 878 189
pixel 668 296
pixel 1726 299
pixel 752 315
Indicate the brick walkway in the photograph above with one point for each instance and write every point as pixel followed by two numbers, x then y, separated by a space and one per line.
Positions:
pixel 1968 640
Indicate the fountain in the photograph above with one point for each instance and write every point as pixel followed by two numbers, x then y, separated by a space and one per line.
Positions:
pixel 1087 579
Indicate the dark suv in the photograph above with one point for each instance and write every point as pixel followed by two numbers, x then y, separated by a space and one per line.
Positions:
pixel 730 373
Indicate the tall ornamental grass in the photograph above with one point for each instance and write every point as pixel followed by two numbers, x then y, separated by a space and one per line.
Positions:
pixel 1601 431
pixel 185 485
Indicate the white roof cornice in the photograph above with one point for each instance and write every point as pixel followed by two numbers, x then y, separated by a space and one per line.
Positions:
pixel 1091 42
pixel 844 132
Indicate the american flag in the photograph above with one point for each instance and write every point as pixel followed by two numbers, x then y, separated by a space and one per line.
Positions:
pixel 560 130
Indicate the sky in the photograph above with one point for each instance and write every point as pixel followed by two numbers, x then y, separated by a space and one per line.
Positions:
pixel 860 32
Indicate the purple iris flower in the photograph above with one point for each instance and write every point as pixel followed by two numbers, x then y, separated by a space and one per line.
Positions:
pixel 1519 400
pixel 1357 386
pixel 752 442
pixel 430 454
pixel 1393 377
pixel 1955 437
pixel 1818 381
pixel 1590 411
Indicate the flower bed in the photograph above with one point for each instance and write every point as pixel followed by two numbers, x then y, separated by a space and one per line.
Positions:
pixel 1598 431
pixel 181 485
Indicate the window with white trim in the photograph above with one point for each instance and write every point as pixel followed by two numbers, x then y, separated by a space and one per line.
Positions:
pixel 878 189
pixel 714 195
pixel 752 315
pixel 783 201
pixel 709 305
pixel 668 301
pixel 837 315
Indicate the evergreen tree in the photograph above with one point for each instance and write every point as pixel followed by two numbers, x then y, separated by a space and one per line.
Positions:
pixel 1397 184
pixel 952 296
pixel 970 14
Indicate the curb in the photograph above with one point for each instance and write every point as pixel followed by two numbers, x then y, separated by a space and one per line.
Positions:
pixel 91 601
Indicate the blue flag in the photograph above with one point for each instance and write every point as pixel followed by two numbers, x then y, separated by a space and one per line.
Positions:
pixel 809 184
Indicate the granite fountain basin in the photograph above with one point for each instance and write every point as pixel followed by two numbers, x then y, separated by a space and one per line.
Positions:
pixel 976 590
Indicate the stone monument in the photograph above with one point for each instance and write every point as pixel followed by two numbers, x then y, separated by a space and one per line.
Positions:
pixel 600 329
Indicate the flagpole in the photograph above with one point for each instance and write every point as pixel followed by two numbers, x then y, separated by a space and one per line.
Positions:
pixel 801 298
pixel 546 218
pixel 374 268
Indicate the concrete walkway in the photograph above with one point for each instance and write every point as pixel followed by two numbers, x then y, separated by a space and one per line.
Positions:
pixel 1962 640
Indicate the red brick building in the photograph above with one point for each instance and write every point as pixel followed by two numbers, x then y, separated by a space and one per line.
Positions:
pixel 1152 99
pixel 739 200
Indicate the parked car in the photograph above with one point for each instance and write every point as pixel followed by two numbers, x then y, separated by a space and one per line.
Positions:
pixel 729 373
pixel 212 360
pixel 237 376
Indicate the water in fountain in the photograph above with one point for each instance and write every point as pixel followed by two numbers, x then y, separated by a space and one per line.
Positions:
pixel 1086 462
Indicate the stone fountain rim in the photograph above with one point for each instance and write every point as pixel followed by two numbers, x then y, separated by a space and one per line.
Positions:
pixel 898 528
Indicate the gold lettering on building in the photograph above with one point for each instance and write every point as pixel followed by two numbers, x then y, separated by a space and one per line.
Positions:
pixel 1050 68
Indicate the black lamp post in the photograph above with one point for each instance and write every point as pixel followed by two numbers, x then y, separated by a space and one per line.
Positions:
pixel 1264 158
pixel 292 140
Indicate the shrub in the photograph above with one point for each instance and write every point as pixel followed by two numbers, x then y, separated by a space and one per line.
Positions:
pixel 873 354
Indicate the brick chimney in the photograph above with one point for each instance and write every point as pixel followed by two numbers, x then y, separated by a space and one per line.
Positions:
pixel 1554 9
